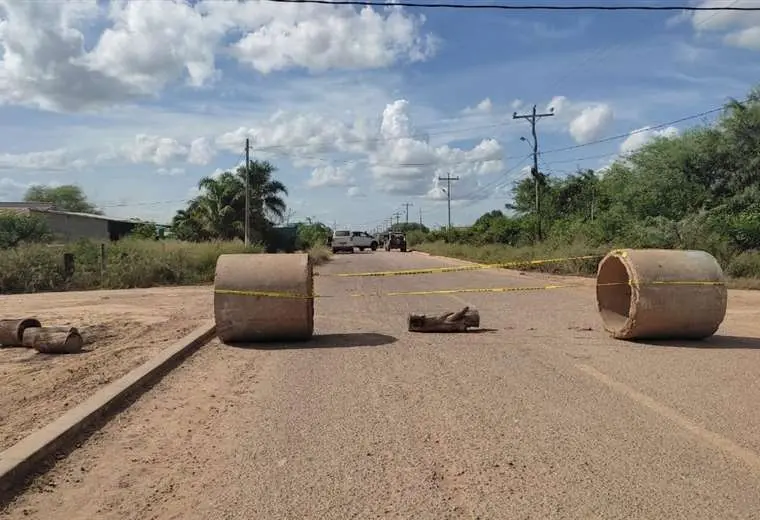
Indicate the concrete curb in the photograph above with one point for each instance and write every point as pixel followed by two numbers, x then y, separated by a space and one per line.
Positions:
pixel 25 457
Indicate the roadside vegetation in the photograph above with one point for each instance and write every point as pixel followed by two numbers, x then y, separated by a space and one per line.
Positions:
pixel 696 190
pixel 32 260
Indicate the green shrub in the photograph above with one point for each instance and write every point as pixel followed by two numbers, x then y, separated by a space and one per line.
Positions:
pixel 128 263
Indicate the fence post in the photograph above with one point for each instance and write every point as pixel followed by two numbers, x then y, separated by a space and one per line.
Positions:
pixel 68 265
pixel 102 263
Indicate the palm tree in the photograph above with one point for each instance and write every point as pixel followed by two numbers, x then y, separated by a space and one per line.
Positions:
pixel 218 207
pixel 219 212
pixel 267 205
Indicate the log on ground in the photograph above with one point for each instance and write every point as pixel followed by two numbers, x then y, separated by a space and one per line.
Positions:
pixel 53 340
pixel 458 321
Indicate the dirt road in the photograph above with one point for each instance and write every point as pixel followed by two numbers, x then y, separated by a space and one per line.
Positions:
pixel 123 329
pixel 543 418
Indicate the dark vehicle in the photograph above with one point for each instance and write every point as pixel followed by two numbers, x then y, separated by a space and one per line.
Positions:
pixel 396 241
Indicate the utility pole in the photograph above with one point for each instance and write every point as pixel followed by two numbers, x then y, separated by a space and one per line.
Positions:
pixel 406 205
pixel 397 215
pixel 247 193
pixel 532 117
pixel 420 217
pixel 448 180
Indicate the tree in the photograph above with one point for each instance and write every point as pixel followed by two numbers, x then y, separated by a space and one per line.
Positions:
pixel 219 211
pixel 68 197
pixel 17 228
pixel 312 233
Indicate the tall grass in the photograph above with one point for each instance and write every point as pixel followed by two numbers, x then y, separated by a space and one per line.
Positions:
pixel 320 254
pixel 742 270
pixel 127 263
pixel 522 256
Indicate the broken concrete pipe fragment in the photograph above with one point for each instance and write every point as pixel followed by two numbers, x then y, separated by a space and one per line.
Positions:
pixel 660 294
pixel 264 297
pixel 53 340
pixel 12 330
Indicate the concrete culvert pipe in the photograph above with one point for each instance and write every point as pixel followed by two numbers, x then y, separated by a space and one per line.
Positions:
pixel 12 330
pixel 264 297
pixel 660 294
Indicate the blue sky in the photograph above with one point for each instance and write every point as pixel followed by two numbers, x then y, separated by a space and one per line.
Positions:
pixel 359 111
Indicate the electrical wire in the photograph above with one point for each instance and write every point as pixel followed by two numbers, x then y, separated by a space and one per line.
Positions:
pixel 459 6
pixel 519 157
pixel 513 7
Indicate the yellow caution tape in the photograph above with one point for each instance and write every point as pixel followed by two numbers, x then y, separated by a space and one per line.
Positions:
pixel 267 294
pixel 263 294
pixel 431 270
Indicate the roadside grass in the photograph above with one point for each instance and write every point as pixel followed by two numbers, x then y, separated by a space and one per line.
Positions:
pixel 320 254
pixel 742 270
pixel 128 263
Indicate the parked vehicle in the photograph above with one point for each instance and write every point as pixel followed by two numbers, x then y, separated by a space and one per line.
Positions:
pixel 396 241
pixel 344 240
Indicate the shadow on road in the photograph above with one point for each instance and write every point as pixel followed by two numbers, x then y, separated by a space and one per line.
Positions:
pixel 717 342
pixel 347 340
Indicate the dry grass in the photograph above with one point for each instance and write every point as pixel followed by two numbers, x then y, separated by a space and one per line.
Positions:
pixel 742 271
pixel 128 263
pixel 320 254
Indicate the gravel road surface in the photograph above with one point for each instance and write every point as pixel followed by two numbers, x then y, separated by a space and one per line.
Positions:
pixel 544 417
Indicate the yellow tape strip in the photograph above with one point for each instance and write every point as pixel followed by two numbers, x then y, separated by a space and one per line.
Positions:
pixel 484 290
pixel 432 270
pixel 263 294
pixel 266 294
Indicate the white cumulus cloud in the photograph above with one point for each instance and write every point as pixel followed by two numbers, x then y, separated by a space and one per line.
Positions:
pixel 70 56
pixel 591 123
pixel 642 136
pixel 739 28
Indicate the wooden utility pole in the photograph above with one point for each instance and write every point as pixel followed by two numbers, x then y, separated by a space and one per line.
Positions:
pixel 247 192
pixel 420 217
pixel 448 180
pixel 397 216
pixel 406 205
pixel 533 117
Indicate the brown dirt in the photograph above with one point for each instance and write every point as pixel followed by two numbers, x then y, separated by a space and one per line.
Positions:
pixel 545 417
pixel 122 329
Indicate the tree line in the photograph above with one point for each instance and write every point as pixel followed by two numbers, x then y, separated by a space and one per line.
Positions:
pixel 699 189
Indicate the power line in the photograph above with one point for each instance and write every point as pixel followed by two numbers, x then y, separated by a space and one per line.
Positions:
pixel 496 183
pixel 634 132
pixel 520 157
pixel 512 7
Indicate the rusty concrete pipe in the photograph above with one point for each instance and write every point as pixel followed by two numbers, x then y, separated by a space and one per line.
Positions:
pixel 661 294
pixel 12 330
pixel 264 297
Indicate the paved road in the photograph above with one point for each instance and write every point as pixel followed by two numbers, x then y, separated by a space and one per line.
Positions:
pixel 545 417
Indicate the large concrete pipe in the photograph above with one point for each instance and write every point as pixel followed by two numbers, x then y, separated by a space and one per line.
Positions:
pixel 660 294
pixel 264 297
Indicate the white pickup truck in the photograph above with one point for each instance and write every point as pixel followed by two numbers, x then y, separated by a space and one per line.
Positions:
pixel 348 240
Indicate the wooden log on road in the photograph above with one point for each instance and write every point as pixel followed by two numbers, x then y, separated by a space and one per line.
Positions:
pixel 458 321
pixel 54 340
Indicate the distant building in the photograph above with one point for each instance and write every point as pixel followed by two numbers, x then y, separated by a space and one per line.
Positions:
pixel 70 226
